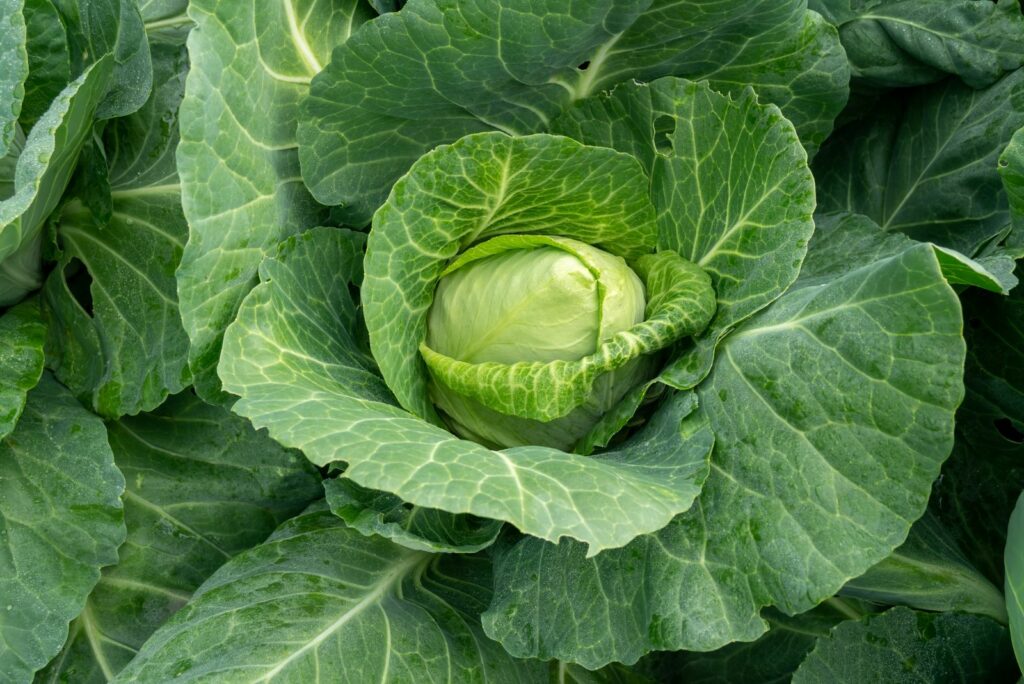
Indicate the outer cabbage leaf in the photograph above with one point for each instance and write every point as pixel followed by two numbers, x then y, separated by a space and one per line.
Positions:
pixel 62 518
pixel 832 412
pixel 906 645
pixel 898 43
pixel 1011 168
pixel 569 673
pixel 202 486
pixel 49 59
pixel 97 28
pixel 13 68
pixel 21 360
pixel 982 479
pixel 1014 561
pixel 926 166
pixel 293 358
pixel 241 190
pixel 319 600
pixel 843 241
pixel 415 527
pixel 806 76
pixel 437 71
pixel 772 658
pixel 730 185
pixel 929 572
pixel 129 352
pixel 43 171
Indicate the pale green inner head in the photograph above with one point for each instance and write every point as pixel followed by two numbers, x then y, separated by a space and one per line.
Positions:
pixel 540 302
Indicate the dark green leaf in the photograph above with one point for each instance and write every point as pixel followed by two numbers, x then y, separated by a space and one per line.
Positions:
pixel 21 360
pixel 903 645
pixel 128 352
pixel 809 486
pixel 202 486
pixel 61 520
pixel 927 166
pixel 321 601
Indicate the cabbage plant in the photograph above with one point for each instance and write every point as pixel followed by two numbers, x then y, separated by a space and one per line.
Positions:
pixel 518 341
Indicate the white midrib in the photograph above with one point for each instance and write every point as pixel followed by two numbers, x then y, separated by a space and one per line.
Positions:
pixel 588 78
pixel 92 635
pixel 300 39
pixel 376 592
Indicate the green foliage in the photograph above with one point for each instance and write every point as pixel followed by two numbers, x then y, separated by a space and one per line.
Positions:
pixel 608 342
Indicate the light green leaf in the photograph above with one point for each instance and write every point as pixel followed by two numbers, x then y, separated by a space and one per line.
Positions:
pixel 49 59
pixel 929 572
pixel 414 527
pixel 809 487
pixel 926 166
pixel 747 229
pixel 482 186
pixel 21 360
pixel 62 520
pixel 843 242
pixel 292 358
pixel 44 169
pixel 13 68
pixel 680 302
pixel 321 601
pixel 202 486
pixel 436 71
pixel 1014 562
pixel 899 43
pixel 903 645
pixel 988 273
pixel 241 189
pixel 129 351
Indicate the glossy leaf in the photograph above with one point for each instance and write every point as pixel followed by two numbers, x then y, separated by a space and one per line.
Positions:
pixel 1014 561
pixel 842 241
pixel 49 59
pixel 1011 168
pixel 421 529
pixel 982 479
